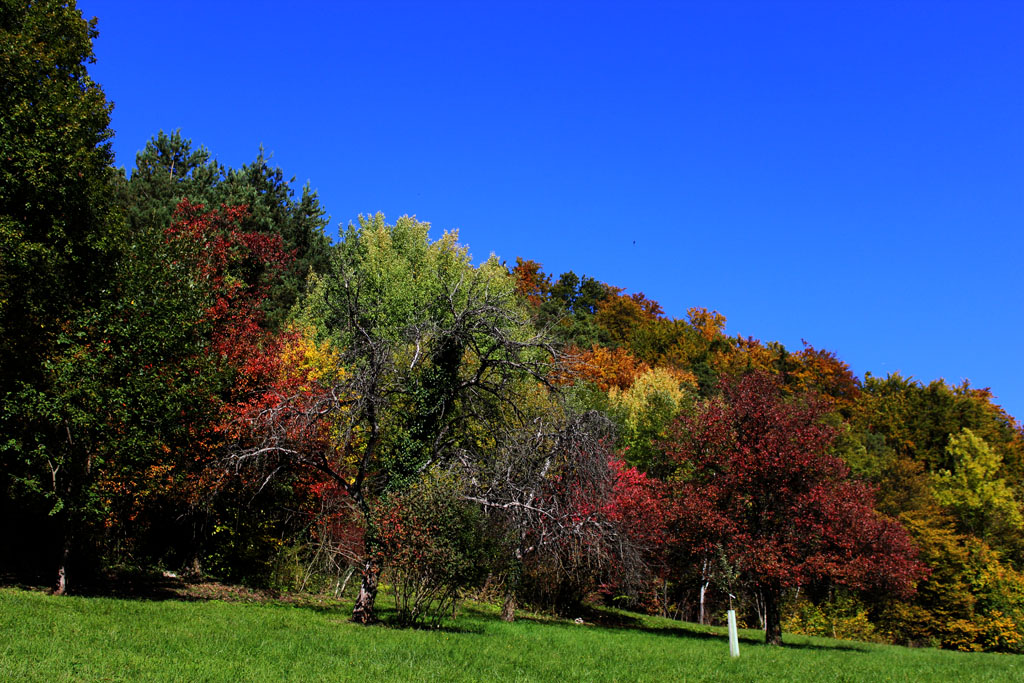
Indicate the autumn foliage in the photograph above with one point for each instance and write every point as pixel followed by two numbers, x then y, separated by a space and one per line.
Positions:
pixel 195 378
pixel 605 367
pixel 757 484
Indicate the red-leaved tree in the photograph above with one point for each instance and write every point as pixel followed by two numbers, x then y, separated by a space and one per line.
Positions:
pixel 757 484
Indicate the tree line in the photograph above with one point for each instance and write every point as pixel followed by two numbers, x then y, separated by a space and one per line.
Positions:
pixel 194 377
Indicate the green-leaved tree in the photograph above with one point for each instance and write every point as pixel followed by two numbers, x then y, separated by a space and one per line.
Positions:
pixel 434 356
pixel 58 229
pixel 973 489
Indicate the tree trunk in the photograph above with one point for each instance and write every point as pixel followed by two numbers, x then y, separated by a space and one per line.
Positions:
pixel 196 569
pixel 363 613
pixel 703 590
pixel 61 586
pixel 508 609
pixel 759 607
pixel 515 575
pixel 773 616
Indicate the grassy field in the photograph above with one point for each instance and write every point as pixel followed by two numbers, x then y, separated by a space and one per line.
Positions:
pixel 44 638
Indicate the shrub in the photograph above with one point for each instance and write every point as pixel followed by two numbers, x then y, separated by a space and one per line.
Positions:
pixel 1002 632
pixel 843 617
pixel 431 546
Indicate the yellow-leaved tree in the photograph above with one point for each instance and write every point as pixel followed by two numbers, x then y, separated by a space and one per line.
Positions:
pixel 645 410
pixel 984 503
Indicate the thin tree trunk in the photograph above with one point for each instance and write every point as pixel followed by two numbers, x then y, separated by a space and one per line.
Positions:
pixel 772 616
pixel 363 613
pixel 703 590
pixel 340 586
pixel 759 606
pixel 61 586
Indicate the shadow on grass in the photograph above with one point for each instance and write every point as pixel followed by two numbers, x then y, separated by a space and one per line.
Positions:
pixel 596 617
pixel 157 586
pixel 387 617
pixel 120 584
pixel 161 586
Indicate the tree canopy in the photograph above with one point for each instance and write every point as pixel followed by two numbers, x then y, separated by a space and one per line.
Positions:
pixel 758 487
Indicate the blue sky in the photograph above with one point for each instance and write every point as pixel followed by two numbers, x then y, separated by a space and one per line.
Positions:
pixel 851 174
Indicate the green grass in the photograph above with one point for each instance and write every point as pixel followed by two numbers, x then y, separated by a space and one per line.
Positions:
pixel 47 638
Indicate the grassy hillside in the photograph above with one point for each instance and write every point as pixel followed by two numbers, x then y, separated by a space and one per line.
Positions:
pixel 73 638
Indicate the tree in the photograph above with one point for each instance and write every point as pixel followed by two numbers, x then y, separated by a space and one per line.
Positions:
pixel 169 170
pixel 756 481
pixel 55 192
pixel 568 514
pixel 604 367
pixel 822 372
pixel 915 420
pixel 983 501
pixel 135 380
pixel 900 420
pixel 644 411
pixel 620 315
pixel 693 347
pixel 57 223
pixel 275 210
pixel 568 306
pixel 432 541
pixel 531 281
pixel 166 171
pixel 434 356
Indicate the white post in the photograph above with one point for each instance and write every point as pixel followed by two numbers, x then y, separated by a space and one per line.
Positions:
pixel 734 636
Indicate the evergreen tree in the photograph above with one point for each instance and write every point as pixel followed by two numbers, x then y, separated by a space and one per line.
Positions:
pixel 169 170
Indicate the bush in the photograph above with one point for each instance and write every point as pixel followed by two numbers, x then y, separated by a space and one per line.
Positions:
pixel 431 546
pixel 1002 632
pixel 843 617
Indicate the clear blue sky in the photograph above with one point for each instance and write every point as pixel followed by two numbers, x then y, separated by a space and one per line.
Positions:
pixel 851 174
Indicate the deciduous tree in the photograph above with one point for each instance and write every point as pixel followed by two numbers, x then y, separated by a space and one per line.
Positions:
pixel 644 411
pixel 571 515
pixel 979 497
pixel 57 221
pixel 755 478
pixel 434 355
